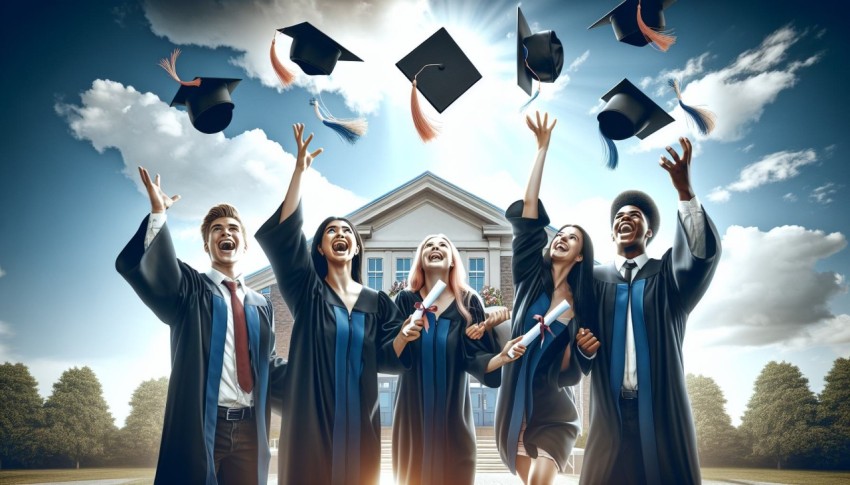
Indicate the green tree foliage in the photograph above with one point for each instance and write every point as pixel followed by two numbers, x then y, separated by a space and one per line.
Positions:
pixel 142 431
pixel 20 416
pixel 834 416
pixel 717 441
pixel 78 418
pixel 780 414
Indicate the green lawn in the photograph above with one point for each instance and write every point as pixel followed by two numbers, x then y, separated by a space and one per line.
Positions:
pixel 144 476
pixel 777 476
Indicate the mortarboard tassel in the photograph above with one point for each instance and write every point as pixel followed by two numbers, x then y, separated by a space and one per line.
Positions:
pixel 286 77
pixel 704 119
pixel 349 130
pixel 426 127
pixel 612 158
pixel 171 68
pixel 660 39
pixel 539 84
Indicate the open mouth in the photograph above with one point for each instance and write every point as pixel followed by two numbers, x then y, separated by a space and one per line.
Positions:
pixel 561 246
pixel 625 228
pixel 227 245
pixel 435 257
pixel 340 245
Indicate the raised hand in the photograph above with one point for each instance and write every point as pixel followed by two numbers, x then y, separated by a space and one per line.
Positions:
pixel 587 342
pixel 159 200
pixel 542 129
pixel 680 169
pixel 303 158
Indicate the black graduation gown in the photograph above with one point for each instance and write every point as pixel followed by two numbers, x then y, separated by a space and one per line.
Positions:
pixel 330 424
pixel 196 312
pixel 433 428
pixel 534 385
pixel 663 294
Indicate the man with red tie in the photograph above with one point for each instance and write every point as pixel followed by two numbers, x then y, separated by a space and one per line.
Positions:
pixel 222 348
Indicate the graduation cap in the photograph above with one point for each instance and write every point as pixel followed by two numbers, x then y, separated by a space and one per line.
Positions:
pixel 639 22
pixel 207 99
pixel 704 119
pixel 642 201
pixel 313 51
pixel 539 55
pixel 441 72
pixel 628 112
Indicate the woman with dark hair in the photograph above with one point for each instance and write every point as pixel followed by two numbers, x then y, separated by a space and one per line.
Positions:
pixel 536 417
pixel 343 335
pixel 433 429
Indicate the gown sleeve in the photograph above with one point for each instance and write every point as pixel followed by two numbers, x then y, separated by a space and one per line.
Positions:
pixel 477 353
pixel 390 320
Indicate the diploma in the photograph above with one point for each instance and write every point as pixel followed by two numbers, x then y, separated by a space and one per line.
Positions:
pixel 546 322
pixel 426 305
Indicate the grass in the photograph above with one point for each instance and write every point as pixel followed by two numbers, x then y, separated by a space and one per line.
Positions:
pixel 777 476
pixel 143 476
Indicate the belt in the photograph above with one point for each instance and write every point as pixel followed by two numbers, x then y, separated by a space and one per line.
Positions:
pixel 235 414
pixel 628 394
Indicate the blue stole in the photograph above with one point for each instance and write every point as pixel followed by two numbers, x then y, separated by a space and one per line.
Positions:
pixel 348 366
pixel 434 394
pixel 523 403
pixel 618 364
pixel 218 335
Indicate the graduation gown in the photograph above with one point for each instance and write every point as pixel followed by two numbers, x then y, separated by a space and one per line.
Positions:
pixel 196 312
pixel 534 385
pixel 330 425
pixel 663 294
pixel 433 428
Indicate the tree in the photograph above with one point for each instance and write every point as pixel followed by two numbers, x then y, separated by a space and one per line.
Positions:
pixel 143 429
pixel 780 414
pixel 717 442
pixel 20 415
pixel 78 418
pixel 834 416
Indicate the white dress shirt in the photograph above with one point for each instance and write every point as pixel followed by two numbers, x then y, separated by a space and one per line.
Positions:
pixel 229 393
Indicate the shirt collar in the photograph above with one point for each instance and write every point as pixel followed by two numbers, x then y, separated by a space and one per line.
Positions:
pixel 217 277
pixel 640 260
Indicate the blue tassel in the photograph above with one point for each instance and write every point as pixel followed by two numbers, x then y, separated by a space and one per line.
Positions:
pixel 611 155
pixel 349 130
pixel 537 93
pixel 704 119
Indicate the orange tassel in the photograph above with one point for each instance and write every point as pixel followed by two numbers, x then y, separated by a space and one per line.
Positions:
pixel 659 39
pixel 285 76
pixel 171 68
pixel 424 126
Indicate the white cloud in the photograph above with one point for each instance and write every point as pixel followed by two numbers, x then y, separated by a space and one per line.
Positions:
pixel 738 93
pixel 747 148
pixel 250 171
pixel 767 291
pixel 579 61
pixel 6 332
pixel 823 194
pixel 789 197
pixel 775 167
pixel 2 272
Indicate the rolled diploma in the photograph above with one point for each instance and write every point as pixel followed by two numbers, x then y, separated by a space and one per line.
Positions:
pixel 547 320
pixel 429 300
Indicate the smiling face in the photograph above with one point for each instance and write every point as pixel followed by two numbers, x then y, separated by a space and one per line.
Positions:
pixel 225 242
pixel 630 230
pixel 339 243
pixel 436 254
pixel 567 245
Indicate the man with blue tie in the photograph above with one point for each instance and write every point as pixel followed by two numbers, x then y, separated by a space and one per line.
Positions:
pixel 641 429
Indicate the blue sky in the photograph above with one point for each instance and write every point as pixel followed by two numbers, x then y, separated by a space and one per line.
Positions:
pixel 88 104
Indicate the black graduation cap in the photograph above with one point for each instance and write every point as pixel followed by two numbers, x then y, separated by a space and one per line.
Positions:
pixel 545 54
pixel 628 112
pixel 314 51
pixel 624 19
pixel 442 84
pixel 209 105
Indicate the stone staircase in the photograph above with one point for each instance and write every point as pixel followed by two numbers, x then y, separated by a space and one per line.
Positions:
pixel 488 460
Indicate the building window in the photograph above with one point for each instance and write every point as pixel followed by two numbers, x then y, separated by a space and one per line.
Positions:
pixel 476 273
pixel 402 268
pixel 266 291
pixel 375 273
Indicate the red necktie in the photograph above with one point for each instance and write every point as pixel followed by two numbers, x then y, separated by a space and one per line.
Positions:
pixel 240 338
